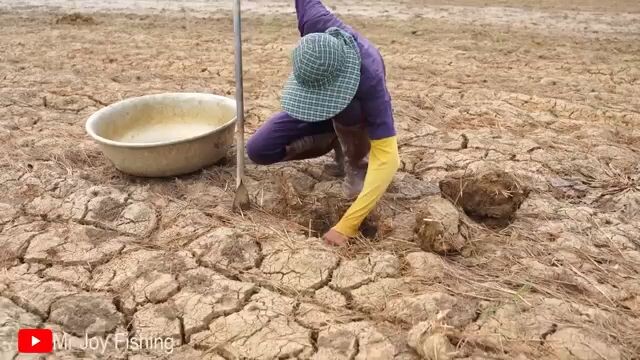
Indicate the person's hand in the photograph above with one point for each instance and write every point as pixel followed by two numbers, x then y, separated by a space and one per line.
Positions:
pixel 334 238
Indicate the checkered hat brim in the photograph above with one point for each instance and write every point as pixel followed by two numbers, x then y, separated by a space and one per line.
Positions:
pixel 314 105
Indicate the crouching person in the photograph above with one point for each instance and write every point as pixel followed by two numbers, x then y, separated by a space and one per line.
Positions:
pixel 335 99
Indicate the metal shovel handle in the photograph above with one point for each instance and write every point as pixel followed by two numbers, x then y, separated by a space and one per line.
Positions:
pixel 241 200
pixel 237 29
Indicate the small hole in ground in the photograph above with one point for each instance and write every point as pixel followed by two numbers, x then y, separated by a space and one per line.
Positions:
pixel 325 212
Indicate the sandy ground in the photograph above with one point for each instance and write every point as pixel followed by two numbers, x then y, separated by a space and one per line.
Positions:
pixel 548 91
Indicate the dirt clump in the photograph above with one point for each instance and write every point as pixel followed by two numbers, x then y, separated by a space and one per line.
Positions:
pixel 491 198
pixel 437 228
pixel 76 19
pixel 429 343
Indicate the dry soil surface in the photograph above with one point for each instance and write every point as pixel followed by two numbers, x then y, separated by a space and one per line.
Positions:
pixel 545 91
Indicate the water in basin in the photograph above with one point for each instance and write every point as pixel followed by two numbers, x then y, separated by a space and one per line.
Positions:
pixel 164 132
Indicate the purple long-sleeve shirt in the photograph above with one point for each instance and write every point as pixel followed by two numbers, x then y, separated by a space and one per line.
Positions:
pixel 372 100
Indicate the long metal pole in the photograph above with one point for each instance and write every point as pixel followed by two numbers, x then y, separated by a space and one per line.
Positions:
pixel 237 28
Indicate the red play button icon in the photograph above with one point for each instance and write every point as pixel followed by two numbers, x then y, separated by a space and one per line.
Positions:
pixel 35 341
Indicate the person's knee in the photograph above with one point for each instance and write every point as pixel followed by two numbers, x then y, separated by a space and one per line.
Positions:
pixel 253 151
pixel 259 153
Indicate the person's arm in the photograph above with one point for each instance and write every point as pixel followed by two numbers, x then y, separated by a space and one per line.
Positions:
pixel 383 165
pixel 314 17
pixel 384 159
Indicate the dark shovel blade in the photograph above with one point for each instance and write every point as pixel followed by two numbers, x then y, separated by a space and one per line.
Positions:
pixel 241 199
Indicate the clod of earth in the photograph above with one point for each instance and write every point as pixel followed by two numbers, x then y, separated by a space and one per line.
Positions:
pixel 402 226
pixel 431 345
pixel 491 198
pixel 437 228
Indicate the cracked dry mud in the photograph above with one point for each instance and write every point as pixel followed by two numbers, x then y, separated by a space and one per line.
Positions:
pixel 546 93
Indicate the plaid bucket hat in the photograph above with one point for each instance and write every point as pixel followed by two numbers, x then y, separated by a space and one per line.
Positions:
pixel 325 78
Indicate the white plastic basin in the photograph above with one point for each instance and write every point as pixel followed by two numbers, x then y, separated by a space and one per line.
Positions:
pixel 166 134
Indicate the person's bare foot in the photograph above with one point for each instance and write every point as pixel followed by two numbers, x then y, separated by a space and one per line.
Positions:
pixel 334 238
